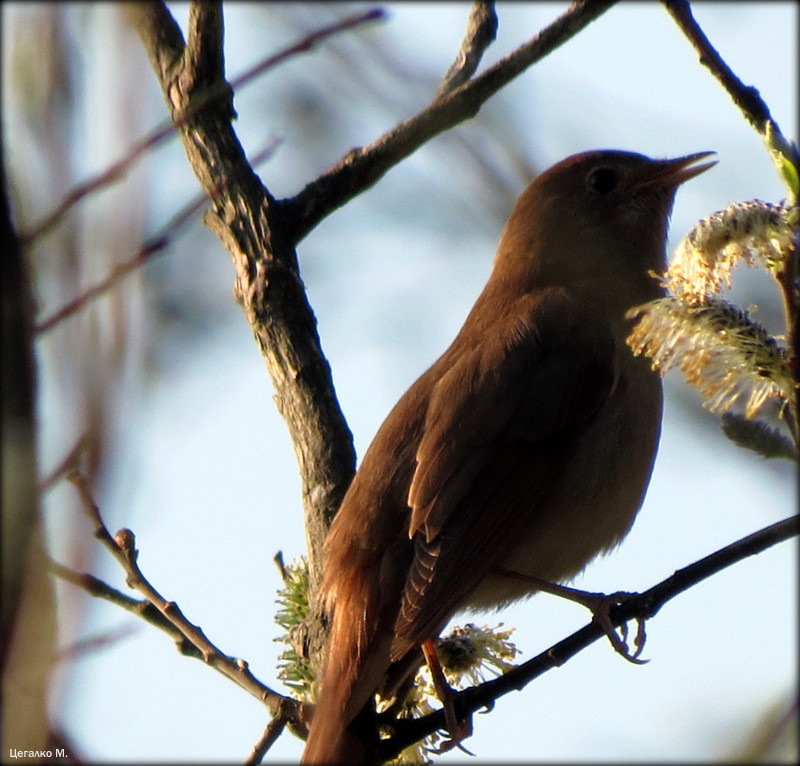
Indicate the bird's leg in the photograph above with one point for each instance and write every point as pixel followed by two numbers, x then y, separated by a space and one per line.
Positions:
pixel 600 605
pixel 458 730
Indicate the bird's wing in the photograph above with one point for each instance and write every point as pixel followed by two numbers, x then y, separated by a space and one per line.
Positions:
pixel 526 388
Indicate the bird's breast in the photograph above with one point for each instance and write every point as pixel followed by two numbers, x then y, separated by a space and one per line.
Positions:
pixel 593 500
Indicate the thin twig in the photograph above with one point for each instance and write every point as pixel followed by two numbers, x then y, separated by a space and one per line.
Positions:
pixel 307 43
pixel 153 246
pixel 269 736
pixel 69 462
pixel 139 607
pixel 746 97
pixel 114 172
pixel 95 643
pixel 481 31
pixel 637 606
pixel 117 170
pixel 123 547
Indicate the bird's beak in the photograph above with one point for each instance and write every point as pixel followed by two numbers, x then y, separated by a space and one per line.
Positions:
pixel 672 173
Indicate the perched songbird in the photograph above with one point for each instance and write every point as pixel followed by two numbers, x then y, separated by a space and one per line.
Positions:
pixel 524 451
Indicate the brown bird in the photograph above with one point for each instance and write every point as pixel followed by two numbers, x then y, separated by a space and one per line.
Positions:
pixel 524 451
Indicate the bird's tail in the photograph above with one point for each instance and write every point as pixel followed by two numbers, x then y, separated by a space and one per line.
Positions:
pixel 354 669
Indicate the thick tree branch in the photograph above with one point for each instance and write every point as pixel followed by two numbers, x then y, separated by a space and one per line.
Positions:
pixel 268 285
pixel 204 57
pixel 362 167
pixel 154 23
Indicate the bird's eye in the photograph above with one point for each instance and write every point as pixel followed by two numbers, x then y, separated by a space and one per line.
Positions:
pixel 602 180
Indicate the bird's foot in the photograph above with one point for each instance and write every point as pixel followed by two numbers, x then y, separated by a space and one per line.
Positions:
pixel 457 729
pixel 600 605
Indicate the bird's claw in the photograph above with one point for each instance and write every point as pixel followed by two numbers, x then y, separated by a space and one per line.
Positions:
pixel 458 731
pixel 601 609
